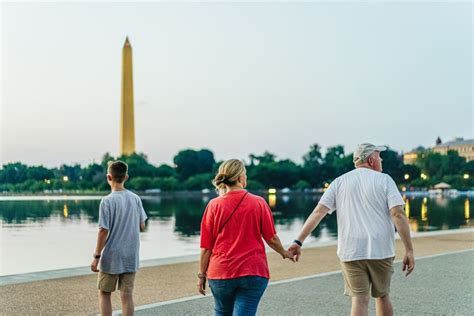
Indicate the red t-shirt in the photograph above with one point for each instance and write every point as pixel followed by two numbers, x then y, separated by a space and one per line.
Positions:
pixel 238 250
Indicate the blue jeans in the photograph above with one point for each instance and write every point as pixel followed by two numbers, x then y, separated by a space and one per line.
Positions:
pixel 239 296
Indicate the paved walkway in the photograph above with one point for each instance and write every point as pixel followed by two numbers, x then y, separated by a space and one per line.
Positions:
pixel 78 295
pixel 440 285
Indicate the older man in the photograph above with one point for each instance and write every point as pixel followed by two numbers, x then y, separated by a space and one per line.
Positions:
pixel 368 206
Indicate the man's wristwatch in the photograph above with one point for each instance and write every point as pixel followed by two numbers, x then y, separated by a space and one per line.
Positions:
pixel 299 243
pixel 96 256
pixel 201 275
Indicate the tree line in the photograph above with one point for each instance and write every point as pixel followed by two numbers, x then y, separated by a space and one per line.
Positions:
pixel 194 170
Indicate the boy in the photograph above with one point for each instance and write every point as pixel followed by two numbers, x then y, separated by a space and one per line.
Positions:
pixel 121 218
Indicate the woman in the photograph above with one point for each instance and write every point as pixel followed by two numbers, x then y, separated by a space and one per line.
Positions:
pixel 233 255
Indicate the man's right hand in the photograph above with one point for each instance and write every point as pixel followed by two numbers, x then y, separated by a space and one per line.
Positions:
pixel 295 249
pixel 408 263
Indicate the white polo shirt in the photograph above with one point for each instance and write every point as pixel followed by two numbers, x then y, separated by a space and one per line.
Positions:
pixel 363 199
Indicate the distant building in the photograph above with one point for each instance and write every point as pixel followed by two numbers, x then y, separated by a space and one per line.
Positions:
pixel 464 147
pixel 410 157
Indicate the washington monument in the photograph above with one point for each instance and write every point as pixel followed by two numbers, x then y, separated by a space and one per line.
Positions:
pixel 127 118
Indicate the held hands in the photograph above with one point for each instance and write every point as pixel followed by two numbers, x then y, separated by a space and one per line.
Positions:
pixel 295 249
pixel 94 264
pixel 408 263
pixel 287 255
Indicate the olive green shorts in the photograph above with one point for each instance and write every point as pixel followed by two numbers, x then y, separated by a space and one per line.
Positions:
pixel 108 282
pixel 364 277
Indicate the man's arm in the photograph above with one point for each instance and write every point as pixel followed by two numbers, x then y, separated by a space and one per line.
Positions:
pixel 101 239
pixel 401 223
pixel 142 226
pixel 276 245
pixel 311 223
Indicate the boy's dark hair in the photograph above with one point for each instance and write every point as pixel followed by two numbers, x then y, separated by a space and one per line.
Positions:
pixel 118 170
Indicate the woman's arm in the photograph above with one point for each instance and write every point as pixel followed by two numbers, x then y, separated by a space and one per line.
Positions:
pixel 204 260
pixel 203 264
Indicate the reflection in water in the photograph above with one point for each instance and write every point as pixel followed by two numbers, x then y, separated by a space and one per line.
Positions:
pixel 407 206
pixel 467 209
pixel 183 215
pixel 413 225
pixel 66 211
pixel 424 209
pixel 326 187
pixel 173 226
pixel 272 200
pixel 412 221
pixel 441 200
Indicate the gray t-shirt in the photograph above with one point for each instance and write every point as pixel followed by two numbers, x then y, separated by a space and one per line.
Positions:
pixel 121 213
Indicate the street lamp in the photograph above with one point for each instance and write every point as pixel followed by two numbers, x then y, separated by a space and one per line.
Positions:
pixel 466 176
pixel 423 176
pixel 407 176
pixel 65 178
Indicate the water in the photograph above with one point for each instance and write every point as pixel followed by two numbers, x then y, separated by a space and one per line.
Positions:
pixel 54 233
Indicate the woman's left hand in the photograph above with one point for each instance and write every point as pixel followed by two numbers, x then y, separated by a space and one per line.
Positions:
pixel 201 286
pixel 288 255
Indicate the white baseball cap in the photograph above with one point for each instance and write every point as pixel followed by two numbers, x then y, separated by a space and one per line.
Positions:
pixel 364 150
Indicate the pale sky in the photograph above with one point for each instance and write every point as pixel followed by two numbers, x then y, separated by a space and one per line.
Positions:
pixel 237 78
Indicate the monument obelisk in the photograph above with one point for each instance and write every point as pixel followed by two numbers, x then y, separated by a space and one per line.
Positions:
pixel 127 118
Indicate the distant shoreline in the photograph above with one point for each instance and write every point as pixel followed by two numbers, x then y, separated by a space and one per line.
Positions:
pixel 199 193
pixel 143 194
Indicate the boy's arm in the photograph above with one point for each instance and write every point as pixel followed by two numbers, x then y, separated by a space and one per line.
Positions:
pixel 101 239
pixel 143 216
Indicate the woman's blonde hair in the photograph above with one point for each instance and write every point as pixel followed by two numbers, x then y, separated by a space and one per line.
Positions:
pixel 228 174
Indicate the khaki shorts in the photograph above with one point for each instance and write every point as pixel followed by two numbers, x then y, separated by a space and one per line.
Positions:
pixel 362 277
pixel 108 282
